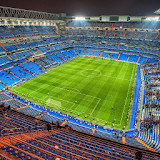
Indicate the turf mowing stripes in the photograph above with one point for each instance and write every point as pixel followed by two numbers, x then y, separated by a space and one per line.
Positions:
pixel 95 107
pixel 92 89
pixel 127 94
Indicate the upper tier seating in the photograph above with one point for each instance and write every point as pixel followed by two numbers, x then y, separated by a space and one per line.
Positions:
pixel 40 62
pixel 41 43
pixel 138 25
pixel 46 60
pixel 5 35
pixel 4 59
pixel 2 50
pixel 52 57
pixel 48 40
pixel 23 46
pixel 13 57
pixel 43 49
pixel 25 31
pixel 11 48
pixel 24 54
pixel 33 44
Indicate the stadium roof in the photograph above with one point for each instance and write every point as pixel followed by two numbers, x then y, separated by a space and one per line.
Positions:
pixel 157 11
pixel 22 13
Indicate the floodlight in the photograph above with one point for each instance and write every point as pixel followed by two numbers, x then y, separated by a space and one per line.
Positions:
pixel 80 18
pixel 152 18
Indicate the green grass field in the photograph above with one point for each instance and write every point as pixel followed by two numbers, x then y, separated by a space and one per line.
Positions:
pixel 92 89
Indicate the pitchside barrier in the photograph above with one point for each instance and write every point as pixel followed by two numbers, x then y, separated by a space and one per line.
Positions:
pixel 135 99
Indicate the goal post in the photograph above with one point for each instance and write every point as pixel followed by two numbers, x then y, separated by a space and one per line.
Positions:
pixel 53 103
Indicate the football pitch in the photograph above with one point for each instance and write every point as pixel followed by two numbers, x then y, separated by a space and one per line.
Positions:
pixel 95 90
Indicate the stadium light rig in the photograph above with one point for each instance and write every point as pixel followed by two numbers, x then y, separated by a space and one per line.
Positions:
pixel 153 18
pixel 80 18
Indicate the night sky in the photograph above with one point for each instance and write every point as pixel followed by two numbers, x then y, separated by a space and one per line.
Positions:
pixel 88 7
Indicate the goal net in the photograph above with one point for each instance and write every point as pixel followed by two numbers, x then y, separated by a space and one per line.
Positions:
pixel 53 103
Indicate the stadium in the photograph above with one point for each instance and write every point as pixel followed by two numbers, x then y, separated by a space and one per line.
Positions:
pixel 79 88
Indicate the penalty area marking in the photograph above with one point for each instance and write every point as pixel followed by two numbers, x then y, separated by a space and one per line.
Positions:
pixel 95 106
pixel 53 102
pixel 99 99
pixel 73 106
pixel 74 89
pixel 38 89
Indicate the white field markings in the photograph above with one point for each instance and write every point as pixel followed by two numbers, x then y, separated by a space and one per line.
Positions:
pixel 73 89
pixel 21 85
pixel 99 99
pixel 33 98
pixel 93 74
pixel 51 96
pixel 96 75
pixel 95 107
pixel 116 78
pixel 40 100
pixel 38 89
pixel 81 72
pixel 61 100
pixel 33 91
pixel 127 94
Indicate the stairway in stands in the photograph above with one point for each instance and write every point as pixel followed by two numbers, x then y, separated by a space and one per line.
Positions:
pixel 118 56
pixel 129 56
pixel 92 51
pixel 101 53
pixel 9 57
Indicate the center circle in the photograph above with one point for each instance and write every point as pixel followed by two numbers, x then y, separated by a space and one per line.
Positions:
pixel 91 73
